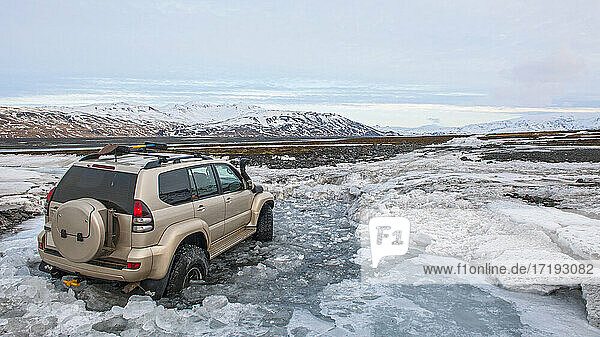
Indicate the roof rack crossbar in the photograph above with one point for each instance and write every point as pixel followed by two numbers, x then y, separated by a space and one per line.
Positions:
pixel 175 160
pixel 145 154
pixel 144 150
pixel 119 150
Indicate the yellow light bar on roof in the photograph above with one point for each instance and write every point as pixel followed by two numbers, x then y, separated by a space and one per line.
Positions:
pixel 153 146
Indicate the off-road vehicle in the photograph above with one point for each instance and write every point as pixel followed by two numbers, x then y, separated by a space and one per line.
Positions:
pixel 132 214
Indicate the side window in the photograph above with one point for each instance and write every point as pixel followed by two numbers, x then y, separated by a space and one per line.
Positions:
pixel 174 187
pixel 230 182
pixel 204 181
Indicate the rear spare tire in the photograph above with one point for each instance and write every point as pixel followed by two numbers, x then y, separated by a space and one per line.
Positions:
pixel 78 229
pixel 191 263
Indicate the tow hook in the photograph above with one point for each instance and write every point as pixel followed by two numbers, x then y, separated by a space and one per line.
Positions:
pixel 129 287
pixel 45 267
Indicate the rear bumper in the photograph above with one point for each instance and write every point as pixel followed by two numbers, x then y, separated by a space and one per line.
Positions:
pixel 93 269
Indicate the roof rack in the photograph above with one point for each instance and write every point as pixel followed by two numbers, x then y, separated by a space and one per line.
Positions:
pixel 175 160
pixel 144 150
pixel 119 150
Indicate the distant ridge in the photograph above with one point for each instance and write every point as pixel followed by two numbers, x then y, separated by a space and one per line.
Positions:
pixel 180 120
pixel 541 122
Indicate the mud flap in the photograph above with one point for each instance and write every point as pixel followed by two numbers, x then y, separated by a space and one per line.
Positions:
pixel 157 287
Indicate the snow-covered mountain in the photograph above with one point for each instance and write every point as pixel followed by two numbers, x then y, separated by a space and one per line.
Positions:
pixel 26 122
pixel 189 119
pixel 204 113
pixel 199 119
pixel 544 122
pixel 187 113
pixel 534 123
pixel 274 123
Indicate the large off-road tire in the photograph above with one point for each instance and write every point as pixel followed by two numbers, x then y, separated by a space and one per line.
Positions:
pixel 264 225
pixel 191 263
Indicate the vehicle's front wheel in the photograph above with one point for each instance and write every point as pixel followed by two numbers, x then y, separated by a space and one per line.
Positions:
pixel 264 225
pixel 191 264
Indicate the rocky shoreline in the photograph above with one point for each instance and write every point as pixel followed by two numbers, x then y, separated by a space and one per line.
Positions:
pixel 331 156
pixel 573 155
pixel 12 216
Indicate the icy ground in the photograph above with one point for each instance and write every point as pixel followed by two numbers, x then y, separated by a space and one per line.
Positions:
pixel 25 180
pixel 310 280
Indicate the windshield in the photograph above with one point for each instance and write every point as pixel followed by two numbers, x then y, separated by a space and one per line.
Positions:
pixel 113 189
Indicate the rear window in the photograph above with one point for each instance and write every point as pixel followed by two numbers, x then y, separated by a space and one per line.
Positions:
pixel 174 187
pixel 113 189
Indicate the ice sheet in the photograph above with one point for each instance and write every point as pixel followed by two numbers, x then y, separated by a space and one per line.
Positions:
pixel 307 280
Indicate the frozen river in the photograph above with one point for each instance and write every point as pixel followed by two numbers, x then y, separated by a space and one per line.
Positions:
pixel 311 279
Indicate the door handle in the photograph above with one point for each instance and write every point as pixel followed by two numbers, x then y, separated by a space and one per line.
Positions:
pixel 228 200
pixel 201 208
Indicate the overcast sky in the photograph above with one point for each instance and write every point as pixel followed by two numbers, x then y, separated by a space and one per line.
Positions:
pixel 492 53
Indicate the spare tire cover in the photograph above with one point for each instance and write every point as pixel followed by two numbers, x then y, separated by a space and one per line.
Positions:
pixel 78 229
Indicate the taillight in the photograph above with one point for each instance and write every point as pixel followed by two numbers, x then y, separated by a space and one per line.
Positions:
pixel 133 265
pixel 47 203
pixel 142 218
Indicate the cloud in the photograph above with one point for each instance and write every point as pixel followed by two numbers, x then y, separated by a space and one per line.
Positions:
pixel 434 120
pixel 543 81
pixel 562 66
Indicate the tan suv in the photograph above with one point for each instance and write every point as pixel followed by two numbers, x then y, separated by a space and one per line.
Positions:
pixel 133 215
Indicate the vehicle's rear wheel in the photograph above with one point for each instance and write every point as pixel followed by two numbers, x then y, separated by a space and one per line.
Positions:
pixel 264 225
pixel 191 264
